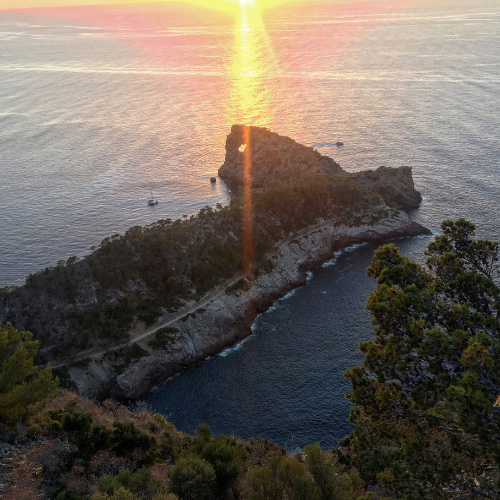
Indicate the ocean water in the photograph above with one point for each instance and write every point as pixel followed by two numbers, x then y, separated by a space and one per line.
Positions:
pixel 99 106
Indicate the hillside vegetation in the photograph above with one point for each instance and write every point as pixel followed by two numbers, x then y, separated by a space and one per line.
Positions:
pixel 138 276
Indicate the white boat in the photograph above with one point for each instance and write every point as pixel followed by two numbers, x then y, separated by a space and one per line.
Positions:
pixel 152 201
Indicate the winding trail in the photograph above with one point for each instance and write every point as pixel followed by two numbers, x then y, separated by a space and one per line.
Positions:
pixel 94 354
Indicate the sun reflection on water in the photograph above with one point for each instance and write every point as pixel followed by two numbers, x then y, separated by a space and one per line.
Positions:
pixel 252 72
pixel 252 78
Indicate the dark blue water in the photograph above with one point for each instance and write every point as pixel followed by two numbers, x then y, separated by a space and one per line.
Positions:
pixel 285 382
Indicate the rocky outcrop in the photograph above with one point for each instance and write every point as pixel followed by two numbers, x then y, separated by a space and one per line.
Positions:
pixel 273 157
pixel 227 319
pixel 394 185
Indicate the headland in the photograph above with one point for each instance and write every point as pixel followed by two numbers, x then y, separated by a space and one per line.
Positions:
pixel 147 304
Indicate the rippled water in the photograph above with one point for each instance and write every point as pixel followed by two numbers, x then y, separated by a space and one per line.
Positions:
pixel 100 105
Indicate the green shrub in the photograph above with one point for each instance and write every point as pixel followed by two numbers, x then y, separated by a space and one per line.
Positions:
pixel 226 457
pixel 126 437
pixel 21 382
pixel 281 478
pixel 192 478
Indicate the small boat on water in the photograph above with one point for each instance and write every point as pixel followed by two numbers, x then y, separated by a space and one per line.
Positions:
pixel 152 200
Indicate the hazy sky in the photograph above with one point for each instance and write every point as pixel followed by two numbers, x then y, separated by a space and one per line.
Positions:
pixel 218 4
pixel 20 4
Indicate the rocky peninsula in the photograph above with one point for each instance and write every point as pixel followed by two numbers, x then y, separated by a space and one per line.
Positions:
pixel 148 304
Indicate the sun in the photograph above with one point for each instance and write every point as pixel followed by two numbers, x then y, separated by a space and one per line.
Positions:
pixel 247 2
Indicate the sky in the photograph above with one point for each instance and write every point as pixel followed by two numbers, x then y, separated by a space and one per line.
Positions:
pixel 213 4
pixel 20 4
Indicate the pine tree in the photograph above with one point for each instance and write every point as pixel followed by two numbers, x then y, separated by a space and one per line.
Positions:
pixel 427 395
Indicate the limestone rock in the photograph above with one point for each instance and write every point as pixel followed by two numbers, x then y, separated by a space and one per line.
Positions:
pixel 227 319
pixel 394 185
pixel 273 157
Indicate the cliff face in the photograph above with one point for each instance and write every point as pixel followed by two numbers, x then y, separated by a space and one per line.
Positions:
pixel 273 157
pixel 227 318
pixel 394 185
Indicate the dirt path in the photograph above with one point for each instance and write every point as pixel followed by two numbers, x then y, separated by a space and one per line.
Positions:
pixel 93 354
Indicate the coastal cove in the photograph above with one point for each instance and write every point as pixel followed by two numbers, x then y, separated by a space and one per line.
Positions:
pixel 431 103
pixel 285 382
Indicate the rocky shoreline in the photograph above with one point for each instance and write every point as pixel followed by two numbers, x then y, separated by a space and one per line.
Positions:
pixel 227 319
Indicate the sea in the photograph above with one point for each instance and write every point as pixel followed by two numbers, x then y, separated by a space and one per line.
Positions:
pixel 103 107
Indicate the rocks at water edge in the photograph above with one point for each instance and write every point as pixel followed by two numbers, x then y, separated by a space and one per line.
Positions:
pixel 98 300
pixel 394 185
pixel 227 319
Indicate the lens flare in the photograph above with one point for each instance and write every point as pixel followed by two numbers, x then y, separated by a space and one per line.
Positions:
pixel 248 230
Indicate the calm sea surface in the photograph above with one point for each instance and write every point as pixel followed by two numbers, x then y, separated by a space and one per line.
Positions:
pixel 99 106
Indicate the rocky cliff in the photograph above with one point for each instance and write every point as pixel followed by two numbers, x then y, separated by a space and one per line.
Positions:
pixel 275 157
pixel 226 319
pixel 394 185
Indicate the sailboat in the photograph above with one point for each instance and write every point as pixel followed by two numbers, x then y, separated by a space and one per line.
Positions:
pixel 152 201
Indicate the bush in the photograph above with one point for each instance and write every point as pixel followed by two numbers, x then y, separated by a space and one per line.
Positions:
pixel 226 457
pixel 280 478
pixel 126 437
pixel 21 382
pixel 192 478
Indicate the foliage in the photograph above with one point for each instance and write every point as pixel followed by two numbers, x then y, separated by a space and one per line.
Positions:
pixel 426 409
pixel 119 494
pixel 227 457
pixel 331 478
pixel 141 484
pixel 284 477
pixel 192 478
pixel 90 438
pixel 281 478
pixel 126 437
pixel 21 382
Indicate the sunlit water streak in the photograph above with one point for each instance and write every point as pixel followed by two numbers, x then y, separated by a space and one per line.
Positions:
pixel 96 112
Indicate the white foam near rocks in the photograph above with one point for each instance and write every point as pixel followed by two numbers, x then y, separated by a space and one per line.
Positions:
pixel 237 347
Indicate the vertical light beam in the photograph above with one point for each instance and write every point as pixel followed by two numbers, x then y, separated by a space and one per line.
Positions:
pixel 248 229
